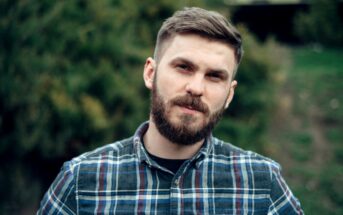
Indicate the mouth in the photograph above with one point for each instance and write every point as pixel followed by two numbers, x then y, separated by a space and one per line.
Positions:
pixel 189 109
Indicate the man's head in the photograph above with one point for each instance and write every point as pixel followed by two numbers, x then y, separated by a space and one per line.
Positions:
pixel 208 24
pixel 191 77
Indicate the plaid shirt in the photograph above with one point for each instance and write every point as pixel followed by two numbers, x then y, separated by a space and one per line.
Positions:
pixel 121 178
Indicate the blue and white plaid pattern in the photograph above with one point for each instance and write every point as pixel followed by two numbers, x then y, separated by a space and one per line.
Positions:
pixel 121 178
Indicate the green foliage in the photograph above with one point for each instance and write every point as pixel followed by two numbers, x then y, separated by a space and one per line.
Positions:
pixel 315 136
pixel 322 24
pixel 71 80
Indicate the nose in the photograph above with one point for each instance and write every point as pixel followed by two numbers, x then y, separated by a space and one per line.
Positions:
pixel 195 86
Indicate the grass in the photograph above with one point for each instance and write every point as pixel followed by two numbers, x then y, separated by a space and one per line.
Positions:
pixel 310 137
pixel 319 74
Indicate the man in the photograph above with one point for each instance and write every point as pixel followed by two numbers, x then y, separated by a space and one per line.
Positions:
pixel 172 164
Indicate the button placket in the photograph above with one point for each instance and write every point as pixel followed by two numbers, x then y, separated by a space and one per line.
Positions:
pixel 175 196
pixel 177 182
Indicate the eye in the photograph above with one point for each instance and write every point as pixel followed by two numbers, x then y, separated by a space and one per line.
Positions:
pixel 183 67
pixel 216 77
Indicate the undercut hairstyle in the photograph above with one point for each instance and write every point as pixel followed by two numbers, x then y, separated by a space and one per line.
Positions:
pixel 207 24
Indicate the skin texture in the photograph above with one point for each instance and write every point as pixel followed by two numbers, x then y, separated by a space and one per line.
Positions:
pixel 192 68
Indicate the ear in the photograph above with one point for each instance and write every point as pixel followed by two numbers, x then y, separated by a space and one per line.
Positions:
pixel 149 72
pixel 231 93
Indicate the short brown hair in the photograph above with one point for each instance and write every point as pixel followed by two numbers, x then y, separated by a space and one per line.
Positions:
pixel 208 24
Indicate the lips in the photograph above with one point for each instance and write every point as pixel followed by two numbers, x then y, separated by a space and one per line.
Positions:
pixel 188 110
pixel 193 108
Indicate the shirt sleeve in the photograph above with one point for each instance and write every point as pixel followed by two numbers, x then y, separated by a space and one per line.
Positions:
pixel 282 199
pixel 60 198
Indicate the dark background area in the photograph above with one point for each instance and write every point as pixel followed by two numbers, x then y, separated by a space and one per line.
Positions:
pixel 276 20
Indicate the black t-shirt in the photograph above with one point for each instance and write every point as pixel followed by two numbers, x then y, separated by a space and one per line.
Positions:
pixel 171 164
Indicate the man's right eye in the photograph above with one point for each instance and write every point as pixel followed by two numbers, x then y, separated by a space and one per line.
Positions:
pixel 183 67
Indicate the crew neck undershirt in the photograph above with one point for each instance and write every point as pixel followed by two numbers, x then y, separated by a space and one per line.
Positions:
pixel 171 164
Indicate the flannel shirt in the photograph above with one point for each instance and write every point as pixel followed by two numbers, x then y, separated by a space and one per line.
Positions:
pixel 121 178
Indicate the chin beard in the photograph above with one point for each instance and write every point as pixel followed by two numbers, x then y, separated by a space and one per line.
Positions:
pixel 182 133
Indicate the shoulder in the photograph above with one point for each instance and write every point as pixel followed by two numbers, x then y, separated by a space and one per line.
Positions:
pixel 113 151
pixel 238 156
pixel 259 171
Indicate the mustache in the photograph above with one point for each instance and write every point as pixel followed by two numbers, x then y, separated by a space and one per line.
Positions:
pixel 194 103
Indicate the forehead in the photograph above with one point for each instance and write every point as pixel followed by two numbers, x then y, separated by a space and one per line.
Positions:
pixel 200 50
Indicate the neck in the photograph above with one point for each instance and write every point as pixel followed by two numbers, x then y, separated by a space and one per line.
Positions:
pixel 160 146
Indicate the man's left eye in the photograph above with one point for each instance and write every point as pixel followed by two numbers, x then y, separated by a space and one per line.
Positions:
pixel 214 77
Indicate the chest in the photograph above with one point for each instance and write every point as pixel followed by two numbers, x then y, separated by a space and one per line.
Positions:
pixel 142 189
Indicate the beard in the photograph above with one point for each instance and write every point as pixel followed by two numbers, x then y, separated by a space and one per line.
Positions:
pixel 183 132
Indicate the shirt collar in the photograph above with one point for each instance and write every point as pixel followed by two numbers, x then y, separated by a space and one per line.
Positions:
pixel 138 143
pixel 143 155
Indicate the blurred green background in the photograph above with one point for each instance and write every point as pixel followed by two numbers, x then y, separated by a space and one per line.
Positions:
pixel 71 80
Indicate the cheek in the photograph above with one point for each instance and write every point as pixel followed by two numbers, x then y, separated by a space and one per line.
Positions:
pixel 169 86
pixel 164 92
pixel 218 100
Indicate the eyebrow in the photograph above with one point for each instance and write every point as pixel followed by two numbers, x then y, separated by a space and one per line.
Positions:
pixel 185 61
pixel 176 60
